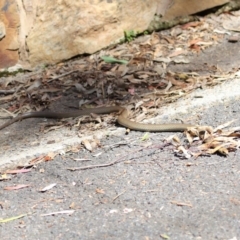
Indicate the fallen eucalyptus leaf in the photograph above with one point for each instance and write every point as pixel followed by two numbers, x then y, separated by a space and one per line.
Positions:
pixel 109 59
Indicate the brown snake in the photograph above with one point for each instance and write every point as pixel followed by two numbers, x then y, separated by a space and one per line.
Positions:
pixel 122 119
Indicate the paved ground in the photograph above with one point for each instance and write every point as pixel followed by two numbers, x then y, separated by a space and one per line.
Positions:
pixel 150 192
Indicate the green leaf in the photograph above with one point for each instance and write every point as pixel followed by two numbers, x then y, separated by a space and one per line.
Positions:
pixel 12 218
pixel 164 236
pixel 109 59
pixel 130 35
pixel 145 137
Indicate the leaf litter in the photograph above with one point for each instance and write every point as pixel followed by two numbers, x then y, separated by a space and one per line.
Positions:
pixel 204 140
pixel 135 74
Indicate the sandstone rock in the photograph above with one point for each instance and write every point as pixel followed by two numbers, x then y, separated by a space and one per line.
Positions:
pixel 9 23
pixel 187 7
pixel 66 28
pixel 39 32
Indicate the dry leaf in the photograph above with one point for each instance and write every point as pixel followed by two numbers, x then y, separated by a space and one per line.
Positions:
pixel 177 52
pixel 17 187
pixel 224 125
pixel 48 187
pixel 4 177
pixel 191 24
pixel 23 170
pixel 72 205
pixel 87 145
pixel 60 212
pixel 100 191
pixel 181 149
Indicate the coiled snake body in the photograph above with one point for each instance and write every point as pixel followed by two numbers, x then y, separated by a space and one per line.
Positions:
pixel 122 119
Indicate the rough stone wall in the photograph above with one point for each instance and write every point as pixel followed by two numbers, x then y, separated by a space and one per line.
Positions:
pixel 76 27
pixel 35 32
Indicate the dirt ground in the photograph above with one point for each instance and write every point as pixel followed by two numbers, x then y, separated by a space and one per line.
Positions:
pixel 147 190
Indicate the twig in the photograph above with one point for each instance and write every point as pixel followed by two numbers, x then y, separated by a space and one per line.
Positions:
pixel 118 195
pixel 93 166
pixel 63 75
pixel 120 143
pixel 102 165
pixel 10 113
pixel 81 159
pixel 151 190
pixel 7 91
pixel 117 160
pixel 181 203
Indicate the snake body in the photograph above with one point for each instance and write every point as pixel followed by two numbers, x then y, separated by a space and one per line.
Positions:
pixel 122 119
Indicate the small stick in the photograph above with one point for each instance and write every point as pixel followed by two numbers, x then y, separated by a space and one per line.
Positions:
pixel 115 161
pixel 63 75
pixel 93 166
pixel 118 195
pixel 7 91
